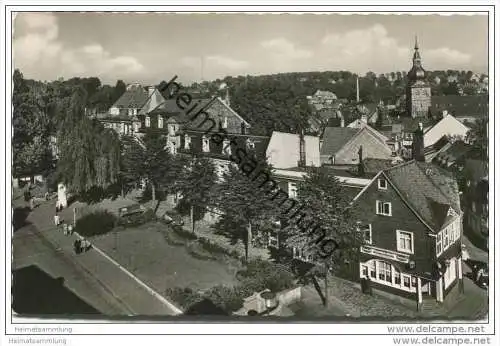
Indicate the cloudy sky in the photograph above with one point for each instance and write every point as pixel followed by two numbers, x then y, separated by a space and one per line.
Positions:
pixel 152 47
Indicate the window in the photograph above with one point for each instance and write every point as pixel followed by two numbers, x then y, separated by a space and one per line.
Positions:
pixel 382 184
pixel 366 232
pixel 446 238
pixel 160 122
pixel 173 148
pixel 224 123
pixel 439 244
pixel 226 147
pixel 406 281
pixel 148 121
pixel 292 190
pixel 384 208
pixel 373 272
pixel 404 241
pixel 384 271
pixel 364 271
pixel 397 277
pixel 205 144
pixel 187 142
pixel 452 232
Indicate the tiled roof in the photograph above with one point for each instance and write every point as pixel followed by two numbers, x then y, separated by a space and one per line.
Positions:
pixel 170 109
pixel 373 166
pixel 426 188
pixel 334 138
pixel 134 97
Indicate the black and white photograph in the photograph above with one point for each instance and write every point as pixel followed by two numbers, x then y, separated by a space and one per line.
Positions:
pixel 201 170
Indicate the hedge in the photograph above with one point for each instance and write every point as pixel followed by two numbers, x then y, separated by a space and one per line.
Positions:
pixel 96 223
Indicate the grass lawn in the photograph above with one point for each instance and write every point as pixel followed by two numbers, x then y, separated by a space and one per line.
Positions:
pixel 145 252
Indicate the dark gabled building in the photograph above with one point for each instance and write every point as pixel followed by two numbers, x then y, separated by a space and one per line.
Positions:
pixel 412 226
pixel 461 107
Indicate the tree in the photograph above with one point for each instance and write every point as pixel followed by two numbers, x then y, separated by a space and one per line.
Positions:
pixel 31 124
pixel 478 136
pixel 196 183
pixel 89 154
pixel 148 159
pixel 326 212
pixel 120 88
pixel 245 203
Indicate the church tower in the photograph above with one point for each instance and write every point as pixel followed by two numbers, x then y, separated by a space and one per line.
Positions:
pixel 418 90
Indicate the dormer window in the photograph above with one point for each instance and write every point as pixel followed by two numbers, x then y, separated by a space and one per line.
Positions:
pixel 224 123
pixel 382 184
pixel 205 144
pixel 160 122
pixel 148 121
pixel 187 142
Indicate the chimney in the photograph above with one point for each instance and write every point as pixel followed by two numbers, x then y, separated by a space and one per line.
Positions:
pixel 418 144
pixel 357 89
pixel 361 167
pixel 302 150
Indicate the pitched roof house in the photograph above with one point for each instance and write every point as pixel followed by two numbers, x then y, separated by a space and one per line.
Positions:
pixel 341 145
pixel 410 217
pixel 284 150
pixel 448 126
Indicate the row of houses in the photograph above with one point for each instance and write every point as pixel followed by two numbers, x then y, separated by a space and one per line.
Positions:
pixel 408 210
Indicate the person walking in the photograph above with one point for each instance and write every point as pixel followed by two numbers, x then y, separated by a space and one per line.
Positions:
pixel 56 219
pixel 77 246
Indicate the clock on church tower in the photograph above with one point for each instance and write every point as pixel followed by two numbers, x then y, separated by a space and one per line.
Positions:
pixel 418 91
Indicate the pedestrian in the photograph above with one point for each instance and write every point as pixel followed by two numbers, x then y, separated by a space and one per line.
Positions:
pixel 77 246
pixel 65 228
pixel 70 229
pixel 47 196
pixel 32 203
pixel 56 219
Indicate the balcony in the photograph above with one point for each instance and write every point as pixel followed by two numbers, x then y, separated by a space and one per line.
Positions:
pixel 388 254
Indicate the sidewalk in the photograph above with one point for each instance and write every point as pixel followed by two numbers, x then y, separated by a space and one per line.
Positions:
pixel 124 288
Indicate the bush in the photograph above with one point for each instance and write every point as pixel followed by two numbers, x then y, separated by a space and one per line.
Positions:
pixel 96 223
pixel 217 249
pixel 260 274
pixel 227 298
pixel 185 297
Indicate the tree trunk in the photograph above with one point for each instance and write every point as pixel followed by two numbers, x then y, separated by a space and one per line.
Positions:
pixel 326 286
pixel 249 241
pixel 153 192
pixel 191 215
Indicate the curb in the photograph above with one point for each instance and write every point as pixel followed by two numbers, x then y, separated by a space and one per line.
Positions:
pixel 155 294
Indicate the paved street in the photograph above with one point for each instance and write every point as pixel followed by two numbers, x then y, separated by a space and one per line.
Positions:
pixel 90 277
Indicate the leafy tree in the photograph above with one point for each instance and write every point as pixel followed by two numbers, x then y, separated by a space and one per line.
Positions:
pixel 478 136
pixel 31 123
pixel 89 154
pixel 324 229
pixel 245 201
pixel 120 88
pixel 149 159
pixel 196 183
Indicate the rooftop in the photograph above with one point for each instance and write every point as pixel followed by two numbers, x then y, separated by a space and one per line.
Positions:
pixel 427 189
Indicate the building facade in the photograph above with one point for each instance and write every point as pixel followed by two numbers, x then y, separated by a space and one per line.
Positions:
pixel 411 222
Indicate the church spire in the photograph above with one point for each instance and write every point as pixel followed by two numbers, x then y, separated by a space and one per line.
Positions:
pixel 416 55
